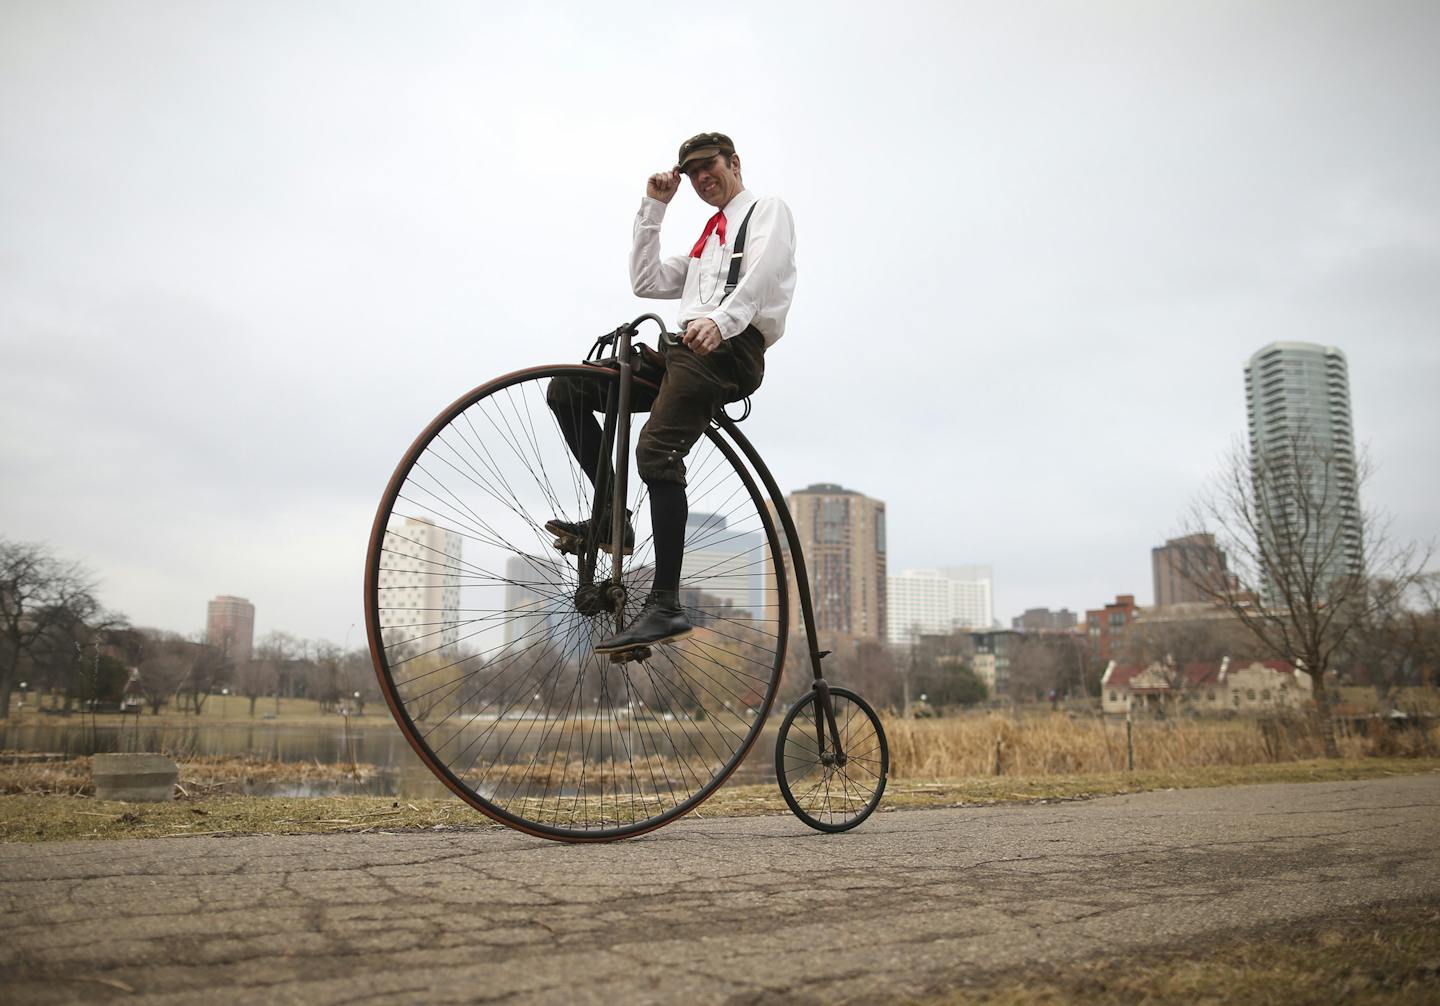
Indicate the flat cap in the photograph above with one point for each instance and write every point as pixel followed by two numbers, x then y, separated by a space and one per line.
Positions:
pixel 703 146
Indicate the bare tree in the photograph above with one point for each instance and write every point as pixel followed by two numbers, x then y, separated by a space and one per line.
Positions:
pixel 270 669
pixel 1393 641
pixel 357 679
pixel 939 669
pixel 38 594
pixel 325 677
pixel 1427 651
pixel 207 670
pixel 253 679
pixel 865 665
pixel 1039 665
pixel 164 665
pixel 1309 565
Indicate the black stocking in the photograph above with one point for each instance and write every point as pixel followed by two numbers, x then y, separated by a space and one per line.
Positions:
pixel 668 511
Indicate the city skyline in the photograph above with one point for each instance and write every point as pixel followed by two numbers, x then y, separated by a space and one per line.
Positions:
pixel 249 255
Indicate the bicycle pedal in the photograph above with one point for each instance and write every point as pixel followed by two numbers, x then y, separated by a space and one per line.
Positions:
pixel 625 656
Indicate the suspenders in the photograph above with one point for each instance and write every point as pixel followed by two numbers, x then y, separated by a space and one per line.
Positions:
pixel 733 280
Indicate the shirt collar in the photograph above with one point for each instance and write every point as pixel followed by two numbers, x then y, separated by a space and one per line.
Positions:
pixel 737 207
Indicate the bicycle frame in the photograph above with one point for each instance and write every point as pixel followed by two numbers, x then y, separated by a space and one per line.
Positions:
pixel 615 443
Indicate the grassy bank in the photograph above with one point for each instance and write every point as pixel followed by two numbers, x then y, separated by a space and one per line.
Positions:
pixel 1386 954
pixel 39 816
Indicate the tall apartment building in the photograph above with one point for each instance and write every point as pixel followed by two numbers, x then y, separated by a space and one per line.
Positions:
pixel 843 534
pixel 937 601
pixel 230 626
pixel 1182 565
pixel 420 584
pixel 1298 400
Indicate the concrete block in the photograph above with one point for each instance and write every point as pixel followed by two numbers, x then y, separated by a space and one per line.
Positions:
pixel 134 778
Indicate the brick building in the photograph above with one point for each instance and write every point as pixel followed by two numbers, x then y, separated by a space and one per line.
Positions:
pixel 1108 627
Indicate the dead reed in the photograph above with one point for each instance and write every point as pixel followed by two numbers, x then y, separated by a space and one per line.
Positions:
pixel 1061 744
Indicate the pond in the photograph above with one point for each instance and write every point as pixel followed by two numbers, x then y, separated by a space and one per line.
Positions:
pixel 369 740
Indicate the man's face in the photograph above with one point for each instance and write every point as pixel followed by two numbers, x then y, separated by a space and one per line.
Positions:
pixel 715 182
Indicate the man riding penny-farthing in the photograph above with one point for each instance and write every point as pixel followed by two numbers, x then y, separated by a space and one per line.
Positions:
pixel 586 659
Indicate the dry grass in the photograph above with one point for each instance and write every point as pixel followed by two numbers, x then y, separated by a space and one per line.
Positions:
pixel 1386 955
pixel 1057 744
pixel 1364 700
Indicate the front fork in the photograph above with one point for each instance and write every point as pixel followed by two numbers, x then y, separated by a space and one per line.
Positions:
pixel 825 717
pixel 614 442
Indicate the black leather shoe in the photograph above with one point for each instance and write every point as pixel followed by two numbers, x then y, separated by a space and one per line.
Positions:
pixel 662 620
pixel 570 536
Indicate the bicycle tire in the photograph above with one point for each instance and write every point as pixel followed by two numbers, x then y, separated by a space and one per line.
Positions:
pixel 486 660
pixel 832 797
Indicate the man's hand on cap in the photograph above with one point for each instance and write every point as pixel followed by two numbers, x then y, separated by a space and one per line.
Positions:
pixel 702 335
pixel 663 185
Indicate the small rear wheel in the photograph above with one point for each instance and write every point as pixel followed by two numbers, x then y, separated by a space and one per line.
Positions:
pixel 826 791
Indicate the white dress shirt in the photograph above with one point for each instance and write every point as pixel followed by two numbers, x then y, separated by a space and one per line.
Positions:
pixel 767 270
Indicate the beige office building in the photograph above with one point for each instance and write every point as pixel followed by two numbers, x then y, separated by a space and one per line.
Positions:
pixel 230 627
pixel 843 535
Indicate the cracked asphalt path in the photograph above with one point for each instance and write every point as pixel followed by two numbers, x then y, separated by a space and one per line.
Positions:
pixel 742 910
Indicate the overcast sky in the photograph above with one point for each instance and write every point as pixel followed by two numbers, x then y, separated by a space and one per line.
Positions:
pixel 248 250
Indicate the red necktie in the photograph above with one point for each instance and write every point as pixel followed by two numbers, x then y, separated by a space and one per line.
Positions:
pixel 715 226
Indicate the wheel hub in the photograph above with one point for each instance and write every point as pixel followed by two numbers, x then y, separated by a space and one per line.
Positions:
pixel 596 598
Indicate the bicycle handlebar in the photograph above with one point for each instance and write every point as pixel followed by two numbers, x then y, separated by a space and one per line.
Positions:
pixel 611 338
pixel 666 336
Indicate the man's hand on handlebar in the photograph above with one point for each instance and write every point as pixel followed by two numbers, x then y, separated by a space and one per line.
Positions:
pixel 663 185
pixel 702 335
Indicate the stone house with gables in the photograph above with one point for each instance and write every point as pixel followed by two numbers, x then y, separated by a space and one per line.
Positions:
pixel 1230 686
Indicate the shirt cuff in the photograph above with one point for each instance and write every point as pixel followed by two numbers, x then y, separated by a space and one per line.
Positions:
pixel 727 325
pixel 652 208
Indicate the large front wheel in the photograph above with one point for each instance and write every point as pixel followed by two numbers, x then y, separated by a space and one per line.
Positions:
pixel 832 790
pixel 483 633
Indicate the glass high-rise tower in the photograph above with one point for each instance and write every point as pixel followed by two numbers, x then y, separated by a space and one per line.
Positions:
pixel 1302 454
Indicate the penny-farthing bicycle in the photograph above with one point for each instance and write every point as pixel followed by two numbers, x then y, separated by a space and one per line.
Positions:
pixel 482 629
